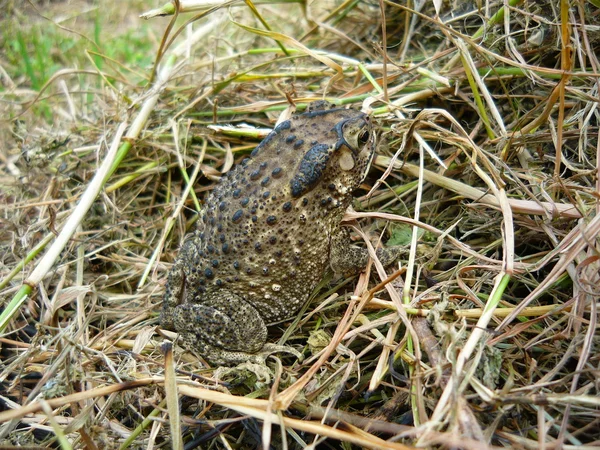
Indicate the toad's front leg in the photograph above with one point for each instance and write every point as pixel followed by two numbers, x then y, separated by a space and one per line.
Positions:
pixel 347 259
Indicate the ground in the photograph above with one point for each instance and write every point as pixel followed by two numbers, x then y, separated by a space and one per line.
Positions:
pixel 485 335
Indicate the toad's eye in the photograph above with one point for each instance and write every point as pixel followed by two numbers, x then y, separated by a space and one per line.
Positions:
pixel 363 136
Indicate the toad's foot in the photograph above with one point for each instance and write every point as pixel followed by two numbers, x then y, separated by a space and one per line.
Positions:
pixel 220 357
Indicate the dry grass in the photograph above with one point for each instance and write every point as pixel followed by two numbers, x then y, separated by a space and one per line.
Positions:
pixel 486 337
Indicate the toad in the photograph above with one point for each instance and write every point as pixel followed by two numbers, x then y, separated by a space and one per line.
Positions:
pixel 268 232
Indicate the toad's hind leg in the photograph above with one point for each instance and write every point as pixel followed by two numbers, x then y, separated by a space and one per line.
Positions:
pixel 174 293
pixel 224 329
pixel 179 278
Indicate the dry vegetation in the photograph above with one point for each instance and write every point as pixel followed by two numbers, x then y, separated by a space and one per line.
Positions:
pixel 485 337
